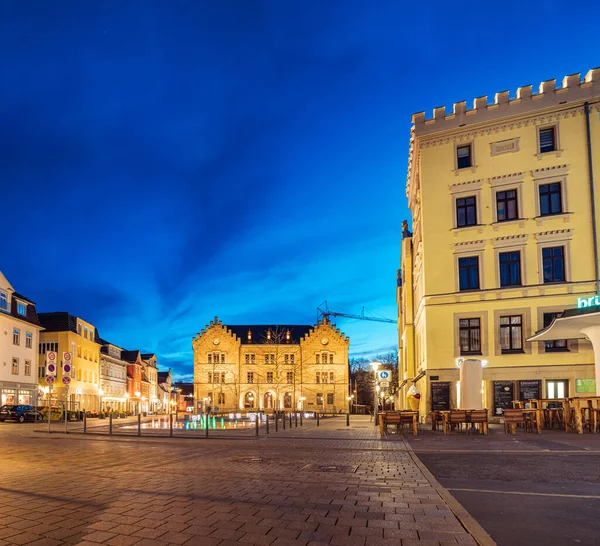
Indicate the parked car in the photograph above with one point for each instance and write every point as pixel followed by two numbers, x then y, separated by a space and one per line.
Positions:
pixel 20 413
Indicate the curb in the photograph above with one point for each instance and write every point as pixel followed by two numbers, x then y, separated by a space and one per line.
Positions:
pixel 480 535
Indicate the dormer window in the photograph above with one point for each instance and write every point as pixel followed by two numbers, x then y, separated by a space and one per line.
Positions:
pixel 288 336
pixel 269 335
pixel 79 329
pixel 21 309
pixel 249 335
pixel 3 301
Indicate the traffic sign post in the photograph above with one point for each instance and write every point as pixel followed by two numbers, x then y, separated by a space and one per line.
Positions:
pixel 66 400
pixel 50 385
pixel 51 363
pixel 384 375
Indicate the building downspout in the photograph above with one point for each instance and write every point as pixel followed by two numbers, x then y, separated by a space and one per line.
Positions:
pixel 592 195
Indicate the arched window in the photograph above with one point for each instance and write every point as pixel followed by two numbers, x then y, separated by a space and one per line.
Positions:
pixel 249 400
pixel 287 400
pixel 268 400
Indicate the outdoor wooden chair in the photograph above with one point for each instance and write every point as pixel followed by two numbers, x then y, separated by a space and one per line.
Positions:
pixel 480 417
pixel 456 418
pixel 514 417
pixel 407 419
pixel 392 418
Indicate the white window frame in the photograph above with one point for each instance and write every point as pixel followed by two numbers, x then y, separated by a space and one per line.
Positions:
pixel 28 340
pixel 15 365
pixel 557 151
pixel 3 300
pixel 16 336
pixel 27 367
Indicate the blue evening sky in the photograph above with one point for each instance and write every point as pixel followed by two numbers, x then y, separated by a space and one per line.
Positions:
pixel 163 162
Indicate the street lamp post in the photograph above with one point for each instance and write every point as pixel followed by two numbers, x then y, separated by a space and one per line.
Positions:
pixel 100 394
pixel 375 365
pixel 126 403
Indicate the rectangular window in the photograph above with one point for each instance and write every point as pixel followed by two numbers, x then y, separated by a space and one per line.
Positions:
pixel 28 367
pixel 550 199
pixel 247 358
pixel 85 332
pixel 557 389
pixel 470 336
pixel 21 309
pixel 223 377
pixel 331 377
pixel 3 301
pixel 317 358
pixel 466 211
pixel 250 377
pixel 15 366
pixel 289 358
pixel 318 378
pixel 222 358
pixel 92 334
pixel 468 273
pixel 28 340
pixel 323 377
pixel 252 358
pixel 210 377
pixel 554 264
pixel 463 156
pixel 330 398
pixel 319 398
pixel 269 377
pixel 556 345
pixel 547 140
pixel 510 268
pixel 209 358
pixel 511 334
pixel 506 205
pixel 290 377
pixel 79 329
pixel 16 336
pixel 221 398
pixel 41 372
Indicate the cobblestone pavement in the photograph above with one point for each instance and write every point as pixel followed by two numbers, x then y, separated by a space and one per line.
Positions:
pixel 327 485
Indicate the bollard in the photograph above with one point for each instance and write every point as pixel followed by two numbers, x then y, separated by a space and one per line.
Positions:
pixel 283 419
pixel 170 424
pixel 267 423
pixel 257 418
pixel 296 419
pixel 276 421
pixel 110 424
pixel 300 418
pixel 317 414
pixel 139 424
pixel 84 424
pixel 290 420
pixel 347 419
pixel 206 423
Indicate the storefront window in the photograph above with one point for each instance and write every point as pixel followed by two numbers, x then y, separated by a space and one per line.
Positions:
pixel 25 397
pixel 8 396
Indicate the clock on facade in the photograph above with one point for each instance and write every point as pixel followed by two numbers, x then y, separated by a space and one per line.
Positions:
pixel 324 341
pixel 216 341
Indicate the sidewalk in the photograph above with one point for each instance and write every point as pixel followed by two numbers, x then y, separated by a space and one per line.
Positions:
pixel 330 484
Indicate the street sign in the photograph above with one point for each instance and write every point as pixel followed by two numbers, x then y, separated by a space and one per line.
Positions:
pixel 51 369
pixel 384 384
pixel 51 363
pixel 66 380
pixel 50 379
pixel 384 375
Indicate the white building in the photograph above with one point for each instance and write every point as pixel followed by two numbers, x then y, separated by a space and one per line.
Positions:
pixel 19 340
pixel 113 379
pixel 151 369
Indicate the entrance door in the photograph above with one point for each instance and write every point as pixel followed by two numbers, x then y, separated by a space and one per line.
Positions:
pixel 268 400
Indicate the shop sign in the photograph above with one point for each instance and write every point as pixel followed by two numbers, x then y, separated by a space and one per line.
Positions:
pixel 592 301
pixel 503 396
pixel 585 385
pixel 440 396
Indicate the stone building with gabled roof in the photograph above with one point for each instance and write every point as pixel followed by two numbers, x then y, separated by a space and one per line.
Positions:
pixel 268 367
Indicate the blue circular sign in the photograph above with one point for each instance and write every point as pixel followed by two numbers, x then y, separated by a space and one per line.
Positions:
pixel 384 375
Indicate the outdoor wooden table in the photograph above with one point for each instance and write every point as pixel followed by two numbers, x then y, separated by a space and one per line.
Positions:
pixel 446 419
pixel 538 418
pixel 413 414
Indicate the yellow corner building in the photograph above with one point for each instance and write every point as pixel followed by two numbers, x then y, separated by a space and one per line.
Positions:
pixel 64 332
pixel 504 202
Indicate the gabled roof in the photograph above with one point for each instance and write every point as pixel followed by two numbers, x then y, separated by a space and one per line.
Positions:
pixel 58 322
pixel 148 356
pixel 185 387
pixel 259 333
pixel 130 356
pixel 163 376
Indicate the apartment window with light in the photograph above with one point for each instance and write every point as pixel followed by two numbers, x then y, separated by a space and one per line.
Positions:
pixel 510 268
pixel 463 157
pixel 470 336
pixel 506 205
pixel 554 264
pixel 468 273
pixel 511 334
pixel 15 366
pixel 3 301
pixel 16 336
pixel 547 138
pixel 250 358
pixel 466 211
pixel 28 367
pixel 269 377
pixel 290 377
pixel 22 309
pixel 556 345
pixel 319 398
pixel 550 199
pixel 250 377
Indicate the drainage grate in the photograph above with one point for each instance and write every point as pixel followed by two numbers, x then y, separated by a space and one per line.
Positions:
pixel 331 468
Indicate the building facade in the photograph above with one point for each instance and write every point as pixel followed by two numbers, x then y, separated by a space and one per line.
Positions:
pixel 64 332
pixel 504 237
pixel 21 328
pixel 151 369
pixel 250 367
pixel 113 379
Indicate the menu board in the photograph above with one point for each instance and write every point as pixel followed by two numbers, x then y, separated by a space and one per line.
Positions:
pixel 530 390
pixel 503 396
pixel 440 396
